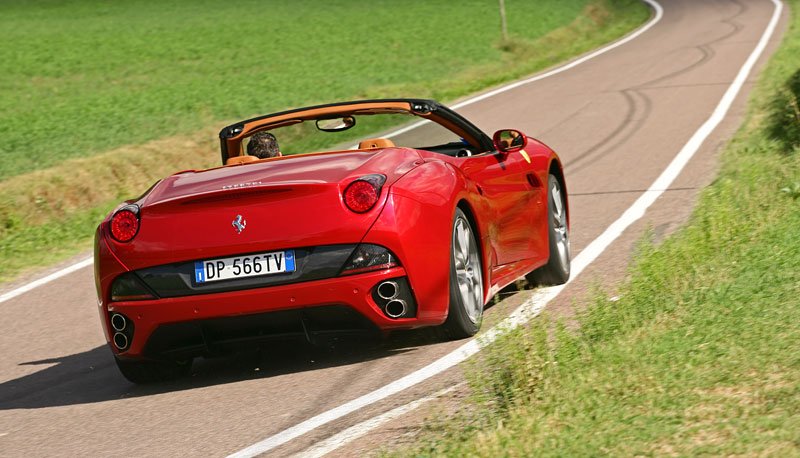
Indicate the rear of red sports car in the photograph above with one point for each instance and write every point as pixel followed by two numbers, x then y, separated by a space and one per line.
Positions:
pixel 211 259
pixel 377 237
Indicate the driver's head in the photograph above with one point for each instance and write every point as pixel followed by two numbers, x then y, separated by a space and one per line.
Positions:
pixel 263 145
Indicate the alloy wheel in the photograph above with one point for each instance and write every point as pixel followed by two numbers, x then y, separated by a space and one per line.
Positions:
pixel 468 269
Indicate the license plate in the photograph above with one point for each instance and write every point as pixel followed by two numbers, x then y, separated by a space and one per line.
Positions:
pixel 252 265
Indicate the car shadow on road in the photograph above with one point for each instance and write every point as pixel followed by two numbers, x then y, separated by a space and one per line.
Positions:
pixel 92 376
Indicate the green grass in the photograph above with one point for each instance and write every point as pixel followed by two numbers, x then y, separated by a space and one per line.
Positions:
pixel 86 76
pixel 100 99
pixel 699 356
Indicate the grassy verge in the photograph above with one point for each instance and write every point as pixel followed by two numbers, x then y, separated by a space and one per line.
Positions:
pixel 88 76
pixel 157 90
pixel 699 356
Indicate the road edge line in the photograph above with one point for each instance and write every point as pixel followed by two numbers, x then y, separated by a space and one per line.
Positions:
pixel 523 313
pixel 543 296
pixel 359 430
pixel 44 280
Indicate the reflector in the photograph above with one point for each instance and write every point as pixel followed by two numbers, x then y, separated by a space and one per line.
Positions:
pixel 367 257
pixel 127 287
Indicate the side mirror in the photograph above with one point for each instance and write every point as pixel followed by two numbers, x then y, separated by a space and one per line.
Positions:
pixel 509 140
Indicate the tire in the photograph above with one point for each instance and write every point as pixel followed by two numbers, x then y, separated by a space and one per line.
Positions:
pixel 557 269
pixel 143 372
pixel 466 281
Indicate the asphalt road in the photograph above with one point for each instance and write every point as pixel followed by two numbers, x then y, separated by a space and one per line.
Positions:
pixel 616 120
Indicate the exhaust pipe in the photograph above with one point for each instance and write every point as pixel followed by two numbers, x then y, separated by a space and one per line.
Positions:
pixel 388 290
pixel 395 308
pixel 120 341
pixel 118 322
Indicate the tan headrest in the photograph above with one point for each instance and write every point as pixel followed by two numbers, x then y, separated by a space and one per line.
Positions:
pixel 375 143
pixel 236 160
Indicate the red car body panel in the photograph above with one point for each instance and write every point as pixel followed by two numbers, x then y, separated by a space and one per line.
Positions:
pixel 296 201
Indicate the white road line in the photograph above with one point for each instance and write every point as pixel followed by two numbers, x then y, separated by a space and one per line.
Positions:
pixel 533 306
pixel 86 262
pixel 359 430
pixel 656 18
pixel 55 275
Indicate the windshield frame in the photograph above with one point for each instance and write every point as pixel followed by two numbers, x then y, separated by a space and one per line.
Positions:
pixel 231 136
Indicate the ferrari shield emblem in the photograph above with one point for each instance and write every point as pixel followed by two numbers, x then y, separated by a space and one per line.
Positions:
pixel 239 224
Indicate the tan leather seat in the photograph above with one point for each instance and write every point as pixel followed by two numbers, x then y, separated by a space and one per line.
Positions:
pixel 373 143
pixel 236 160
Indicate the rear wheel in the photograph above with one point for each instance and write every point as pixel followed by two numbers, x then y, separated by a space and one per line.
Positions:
pixel 556 271
pixel 466 281
pixel 141 372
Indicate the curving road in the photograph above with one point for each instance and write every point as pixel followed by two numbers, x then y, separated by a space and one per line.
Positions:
pixel 617 120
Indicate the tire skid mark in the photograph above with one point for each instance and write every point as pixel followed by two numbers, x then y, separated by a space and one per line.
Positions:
pixel 706 54
pixel 630 110
pixel 638 114
pixel 605 146
pixel 706 48
pixel 566 119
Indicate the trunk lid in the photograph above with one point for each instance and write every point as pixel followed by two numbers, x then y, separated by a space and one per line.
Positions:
pixel 286 203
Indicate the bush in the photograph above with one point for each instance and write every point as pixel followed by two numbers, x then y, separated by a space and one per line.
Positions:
pixel 785 118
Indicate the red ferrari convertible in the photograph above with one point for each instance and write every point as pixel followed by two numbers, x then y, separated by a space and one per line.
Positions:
pixel 362 233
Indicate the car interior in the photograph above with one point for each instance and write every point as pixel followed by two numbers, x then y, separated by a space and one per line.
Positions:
pixel 458 148
pixel 323 129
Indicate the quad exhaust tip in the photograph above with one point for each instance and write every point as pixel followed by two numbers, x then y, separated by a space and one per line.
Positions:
pixel 388 290
pixel 120 341
pixel 118 322
pixel 395 308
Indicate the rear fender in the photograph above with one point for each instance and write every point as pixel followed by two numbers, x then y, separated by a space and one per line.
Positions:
pixel 541 153
pixel 106 268
pixel 416 223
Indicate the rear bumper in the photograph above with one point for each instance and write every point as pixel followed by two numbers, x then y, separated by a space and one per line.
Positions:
pixel 353 292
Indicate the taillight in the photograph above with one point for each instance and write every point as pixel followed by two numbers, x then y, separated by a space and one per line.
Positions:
pixel 125 223
pixel 361 195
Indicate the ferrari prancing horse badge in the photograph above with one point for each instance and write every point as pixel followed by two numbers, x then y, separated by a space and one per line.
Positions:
pixel 239 224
